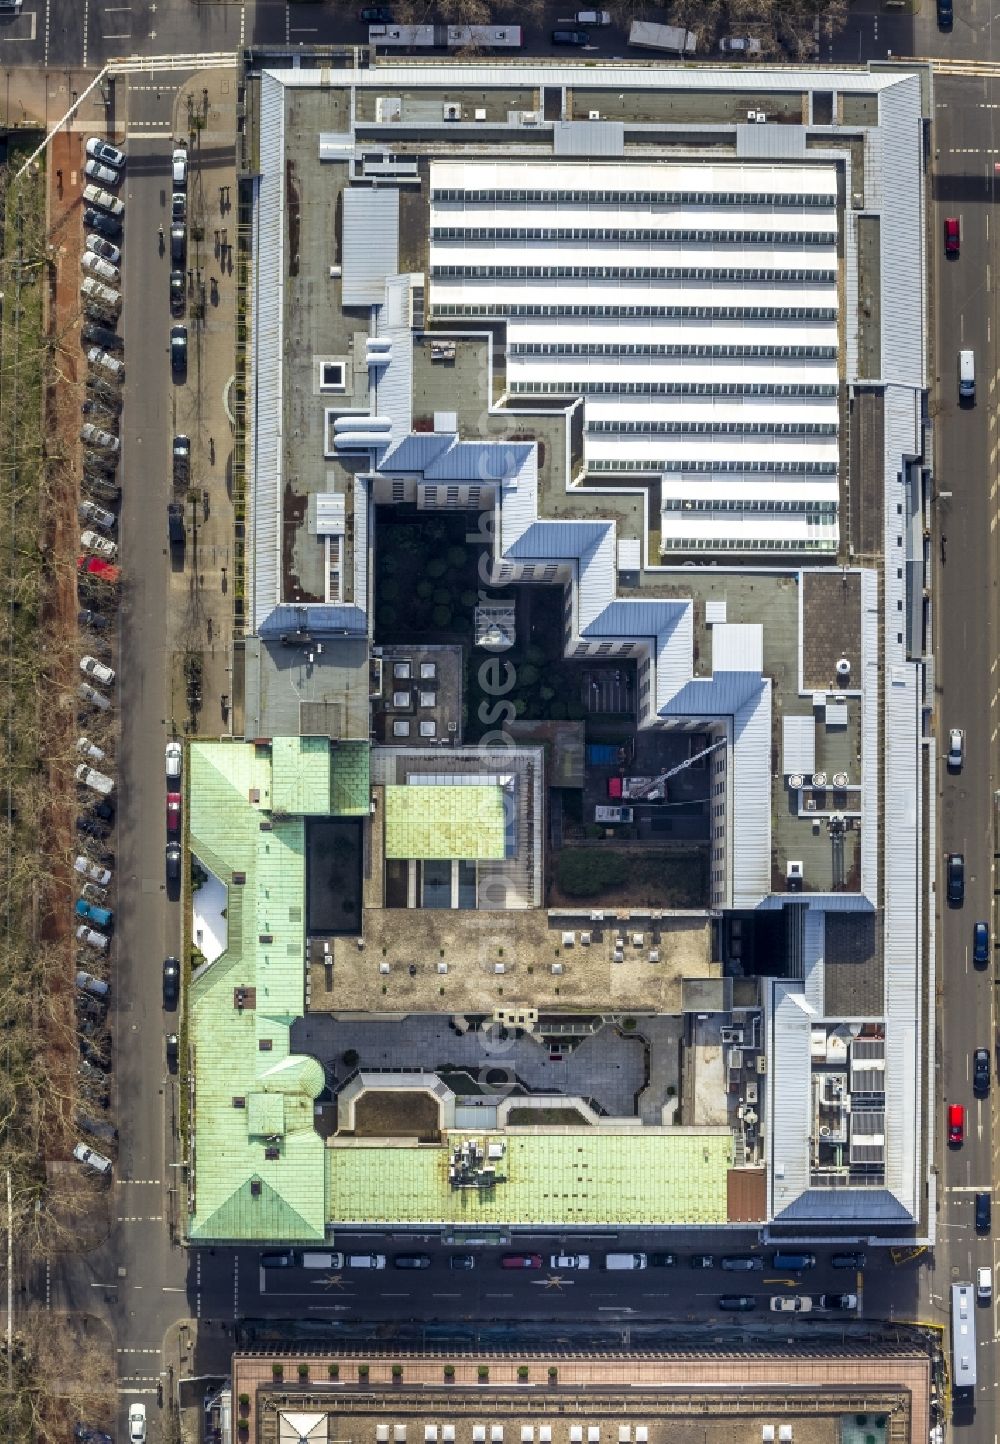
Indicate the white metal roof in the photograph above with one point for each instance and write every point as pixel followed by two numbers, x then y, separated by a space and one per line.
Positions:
pixel 370 251
pixel 798 745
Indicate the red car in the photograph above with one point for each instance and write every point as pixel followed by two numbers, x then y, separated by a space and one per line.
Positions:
pixel 956 1123
pixel 98 567
pixel 173 812
pixel 521 1261
pixel 952 236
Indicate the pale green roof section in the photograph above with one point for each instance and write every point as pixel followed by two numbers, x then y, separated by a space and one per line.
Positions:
pixel 553 1178
pixel 350 781
pixel 441 822
pixel 301 775
pixel 240 1193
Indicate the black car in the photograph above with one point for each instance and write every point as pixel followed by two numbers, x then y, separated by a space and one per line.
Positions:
pixel 178 350
pixel 663 1260
pixel 104 225
pixel 178 208
pixel 981 1073
pixel 177 293
pixel 283 1260
pixel 737 1303
pixel 171 982
pixel 178 245
pixel 981 944
pixel 182 458
pixel 411 1261
pixel 956 878
pixel 743 1263
pixel 375 15
pixel 173 862
pixel 983 1212
pixel 702 1261
pixel 100 486
pixel 104 809
pixel 841 1302
pixel 172 1052
pixel 84 1434
pixel 94 335
pixel 93 620
pixel 91 827
pixel 945 14
pixel 462 1261
pixel 570 37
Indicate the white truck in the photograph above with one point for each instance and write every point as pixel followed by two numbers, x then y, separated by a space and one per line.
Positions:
pixel 613 814
pixel 672 38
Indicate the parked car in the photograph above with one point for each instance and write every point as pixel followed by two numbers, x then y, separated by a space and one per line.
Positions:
pixel 87 617
pixel 984 1284
pixel 411 1261
pixel 92 871
pixel 93 265
pixel 981 1072
pixel 176 534
pixel 956 1124
pixel 102 487
pixel 737 1303
pixel 91 827
pixel 743 1263
pixel 93 697
pixel 952 236
pixel 92 1159
pixel 182 458
pixel 112 366
pixel 983 1211
pixel 171 981
pixel 91 667
pixel 956 749
pixel 173 1052
pixel 101 336
pixel 91 542
pixel 980 944
pixel 178 246
pixel 100 917
pixel 173 757
pixel 739 45
pixel 98 149
pixel 375 15
pixel 173 812
pixel 956 878
pixel 945 14
pixel 90 750
pixel 103 809
pixel 177 293
pixel 96 515
pixel 178 350
pixel 599 18
pixel 103 200
pixel 103 224
pixel 179 168
pixel 178 208
pixel 96 436
pixel 791 1304
pixel 838 1301
pixel 278 1259
pixel 100 568
pixel 521 1261
pixel 92 938
pixel 570 37
pixel 137 1424
pixel 569 1261
pixel 99 782
pixel 104 175
pixel 702 1261
pixel 106 250
pixel 663 1260
pixel 96 987
pixel 173 862
pixel 462 1261
pixel 84 1434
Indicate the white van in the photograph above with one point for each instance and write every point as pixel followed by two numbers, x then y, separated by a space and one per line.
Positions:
pixel 322 1260
pixel 365 1260
pixel 625 1261
pixel 966 375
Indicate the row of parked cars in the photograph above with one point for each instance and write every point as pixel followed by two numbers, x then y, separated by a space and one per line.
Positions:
pixel 786 1262
pixel 98 575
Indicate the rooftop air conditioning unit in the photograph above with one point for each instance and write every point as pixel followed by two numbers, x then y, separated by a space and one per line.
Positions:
pixel 593 115
pixel 530 117
pixel 452 110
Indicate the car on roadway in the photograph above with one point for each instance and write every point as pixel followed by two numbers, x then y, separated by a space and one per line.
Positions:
pixel 179 168
pixel 737 1303
pixel 411 1261
pixel 173 813
pixel 375 15
pixel 663 1260
pixel 283 1259
pixel 102 223
pixel 178 245
pixel 137 1424
pixel 107 250
pixel 97 671
pixel 791 1304
pixel 98 149
pixel 945 14
pixel 178 350
pixel 742 1263
pixel 984 1284
pixel 521 1261
pixel 462 1261
pixel 104 175
pixel 956 878
pixel 177 293
pixel 983 1211
pixel 956 749
pixel 702 1261
pixel 570 37
pixel 952 236
pixel 593 17
pixel 178 208
pixel 171 982
pixel 173 1052
pixel 91 542
pixel 956 1124
pixel 981 1072
pixel 569 1261
pixel 837 1301
pixel 173 759
pixel 980 944
pixel 173 862
pixel 182 458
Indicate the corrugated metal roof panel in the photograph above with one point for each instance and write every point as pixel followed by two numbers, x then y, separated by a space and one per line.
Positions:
pixel 789 1065
pixel 394 382
pixel 751 799
pixel 370 250
pixel 588 137
pixel 814 958
pixel 715 610
pixel 336 145
pixel 629 554
pixel 898 144
pixel 798 745
pixel 737 647
pixel 770 142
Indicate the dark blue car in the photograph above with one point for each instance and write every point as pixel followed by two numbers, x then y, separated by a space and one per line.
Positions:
pixel 980 944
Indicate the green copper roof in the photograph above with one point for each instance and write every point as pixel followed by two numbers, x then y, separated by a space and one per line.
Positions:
pixel 301 775
pixel 350 788
pixel 250 1096
pixel 551 1178
pixel 440 822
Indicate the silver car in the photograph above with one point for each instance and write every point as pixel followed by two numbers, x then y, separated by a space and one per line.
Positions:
pixel 956 749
